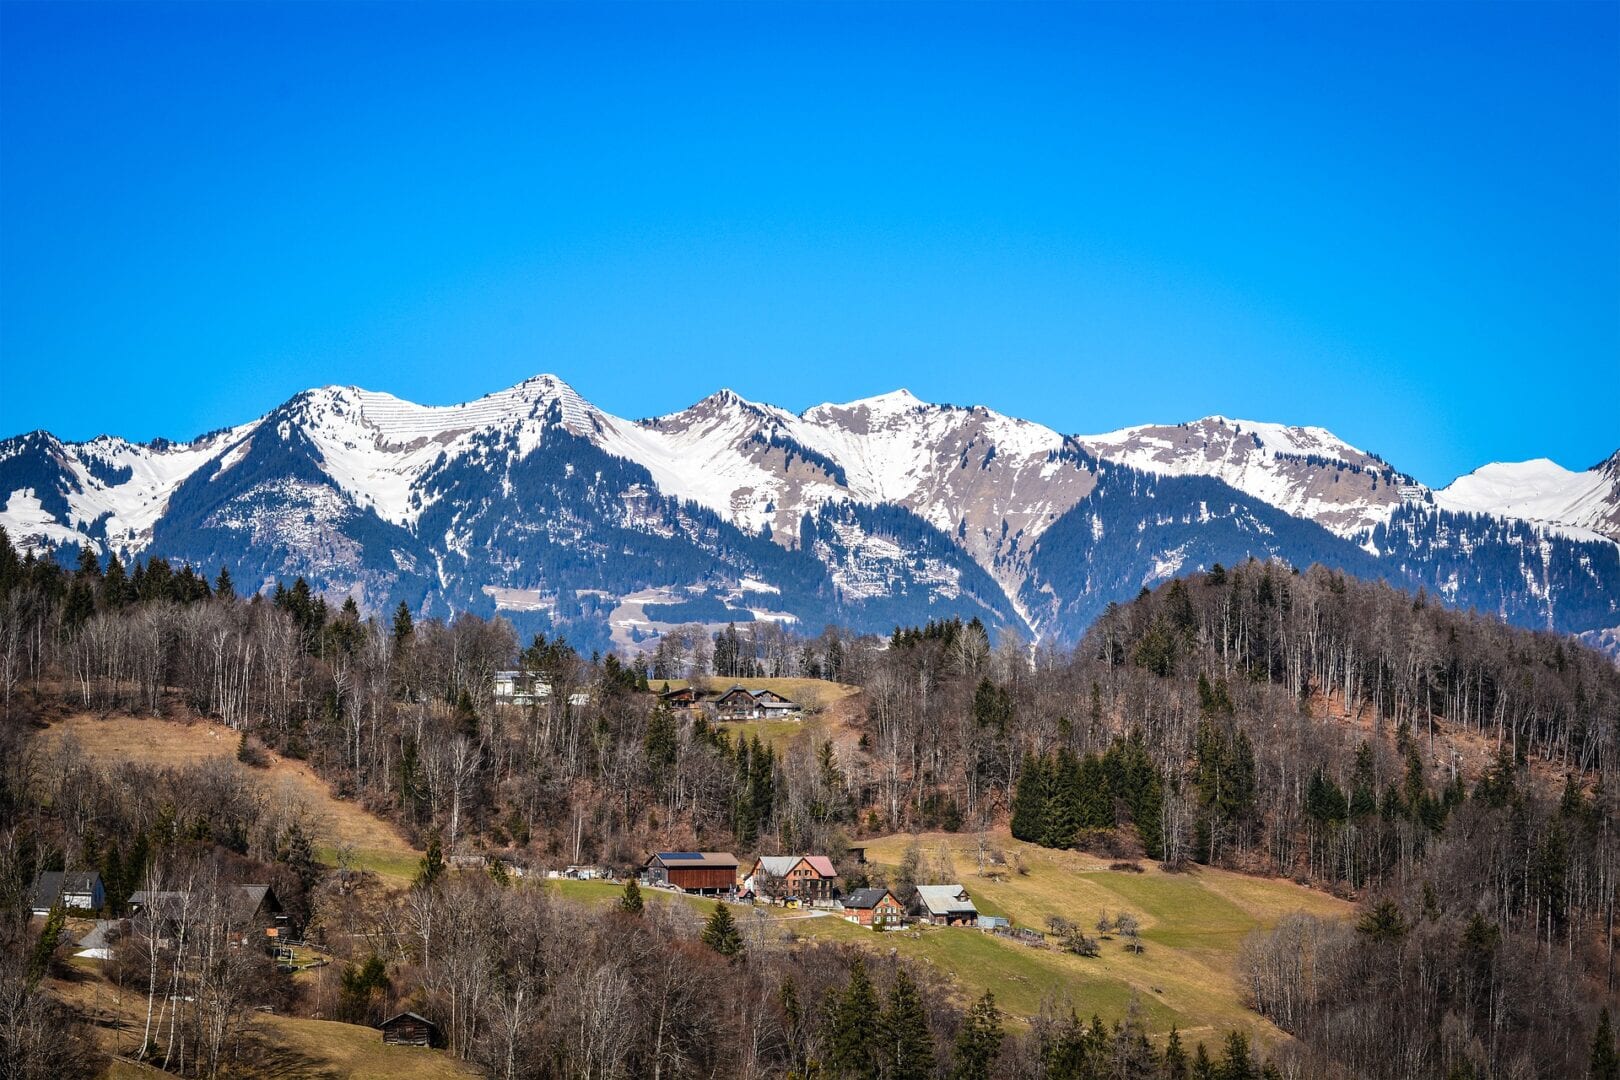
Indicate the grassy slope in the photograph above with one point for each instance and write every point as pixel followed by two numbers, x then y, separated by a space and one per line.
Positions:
pixel 1192 926
pixel 377 844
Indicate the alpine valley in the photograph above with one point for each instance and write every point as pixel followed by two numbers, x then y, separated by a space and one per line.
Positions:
pixel 884 511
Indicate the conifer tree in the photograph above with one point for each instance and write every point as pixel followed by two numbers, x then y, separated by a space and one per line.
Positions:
pixel 854 1018
pixel 631 903
pixel 432 864
pixel 404 627
pixel 908 1048
pixel 1605 1060
pixel 1235 1061
pixel 1175 1057
pixel 979 1041
pixel 224 587
pixel 720 933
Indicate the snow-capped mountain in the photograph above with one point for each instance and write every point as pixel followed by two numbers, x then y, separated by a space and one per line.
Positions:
pixel 873 512
pixel 1582 503
pixel 1305 471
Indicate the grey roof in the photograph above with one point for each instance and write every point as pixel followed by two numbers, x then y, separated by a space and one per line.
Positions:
pixel 411 1015
pixel 945 900
pixel 865 898
pixel 50 885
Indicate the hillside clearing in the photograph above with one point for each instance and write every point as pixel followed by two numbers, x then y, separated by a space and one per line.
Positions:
pixel 371 842
pixel 1192 926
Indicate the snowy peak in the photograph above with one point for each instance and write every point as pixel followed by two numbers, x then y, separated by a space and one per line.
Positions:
pixel 1584 504
pixel 1306 471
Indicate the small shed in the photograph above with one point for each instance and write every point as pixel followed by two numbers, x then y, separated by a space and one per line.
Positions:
pixel 409 1029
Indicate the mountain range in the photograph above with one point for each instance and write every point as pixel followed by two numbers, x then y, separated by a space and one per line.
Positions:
pixel 535 503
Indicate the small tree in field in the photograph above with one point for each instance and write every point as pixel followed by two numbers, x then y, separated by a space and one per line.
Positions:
pixel 721 933
pixel 631 903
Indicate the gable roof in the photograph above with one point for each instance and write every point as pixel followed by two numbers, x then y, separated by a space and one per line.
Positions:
pixel 697 860
pixel 945 899
pixel 781 865
pixel 735 690
pixel 407 1016
pixel 51 884
pixel 864 899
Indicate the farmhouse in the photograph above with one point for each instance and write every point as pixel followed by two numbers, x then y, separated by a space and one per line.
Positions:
pixel 803 877
pixel 742 704
pixel 251 907
pixel 409 1029
pixel 694 871
pixel 684 698
pixel 876 908
pixel 946 905
pixel 521 687
pixel 736 704
pixel 75 890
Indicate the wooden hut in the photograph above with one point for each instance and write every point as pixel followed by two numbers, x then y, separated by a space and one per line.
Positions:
pixel 409 1029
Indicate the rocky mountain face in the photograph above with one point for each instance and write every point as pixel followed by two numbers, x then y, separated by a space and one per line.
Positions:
pixel 534 502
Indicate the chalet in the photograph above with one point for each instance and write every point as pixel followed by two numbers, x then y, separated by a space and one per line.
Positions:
pixel 946 905
pixel 254 908
pixel 694 871
pixel 736 704
pixel 876 908
pixel 75 890
pixel 804 877
pixel 521 687
pixel 409 1029
pixel 685 698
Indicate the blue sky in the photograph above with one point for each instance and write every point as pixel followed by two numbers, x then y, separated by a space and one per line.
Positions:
pixel 1401 222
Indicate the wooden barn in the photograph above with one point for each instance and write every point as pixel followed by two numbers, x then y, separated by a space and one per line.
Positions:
pixel 737 704
pixel 694 871
pixel 409 1029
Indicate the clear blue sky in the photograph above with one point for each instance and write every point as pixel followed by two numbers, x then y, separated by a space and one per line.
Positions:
pixel 1401 222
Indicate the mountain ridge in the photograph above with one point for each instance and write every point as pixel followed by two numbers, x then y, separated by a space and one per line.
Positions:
pixel 883 504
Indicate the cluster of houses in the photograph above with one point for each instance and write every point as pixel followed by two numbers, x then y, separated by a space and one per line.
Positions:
pixel 811 880
pixel 530 688
pixel 737 703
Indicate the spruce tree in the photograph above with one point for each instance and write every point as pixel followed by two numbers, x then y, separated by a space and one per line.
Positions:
pixel 908 1048
pixel 1029 800
pixel 1235 1061
pixel 404 627
pixel 1605 1060
pixel 432 864
pixel 224 587
pixel 854 1020
pixel 631 903
pixel 1175 1057
pixel 979 1041
pixel 720 933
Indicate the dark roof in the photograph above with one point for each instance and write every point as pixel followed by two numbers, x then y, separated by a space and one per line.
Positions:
pixel 697 859
pixel 865 898
pixel 250 899
pixel 50 885
pixel 407 1016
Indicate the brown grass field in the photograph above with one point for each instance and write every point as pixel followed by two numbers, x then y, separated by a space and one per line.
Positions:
pixel 376 844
